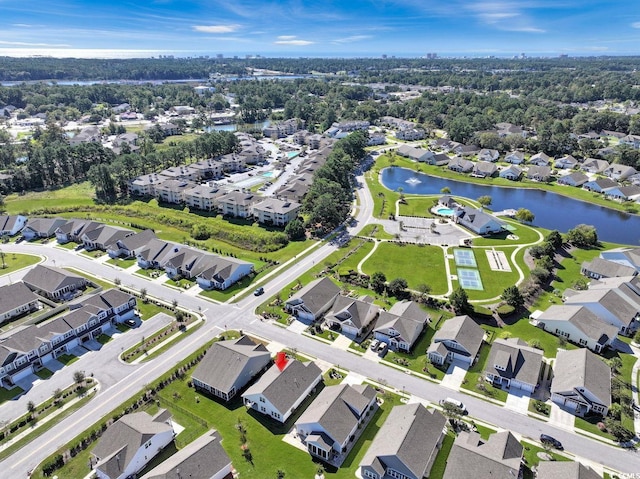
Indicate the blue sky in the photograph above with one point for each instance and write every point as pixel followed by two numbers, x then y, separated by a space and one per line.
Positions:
pixel 339 28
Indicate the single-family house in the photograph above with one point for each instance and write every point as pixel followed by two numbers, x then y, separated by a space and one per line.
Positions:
pixel 351 316
pixel 459 338
pixel 477 220
pixel 566 162
pixel 38 228
pixel 540 159
pixel 487 154
pixel 439 159
pixel 312 301
pixel 229 365
pixel 53 283
pixel 460 165
pixel 11 225
pixel 472 456
pixel 130 443
pixel 401 326
pixel 579 325
pixel 599 268
pixel 328 426
pixel 565 470
pixel 406 445
pixel 130 246
pixel 619 307
pixel 514 157
pixel 221 272
pixel 623 193
pixel 581 382
pixel 155 253
pixel 576 178
pixel 204 458
pixel 513 364
pixel 626 256
pixel 619 172
pixel 466 150
pixel 276 212
pixel 15 300
pixel 511 172
pixel 631 140
pixel 594 165
pixel 600 185
pixel 484 169
pixel 539 173
pixel 280 390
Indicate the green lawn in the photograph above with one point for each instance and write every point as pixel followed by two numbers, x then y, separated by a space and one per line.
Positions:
pixel 440 464
pixel 67 359
pixel 148 310
pixel 225 295
pixel 590 424
pixel 10 262
pixel 9 394
pixel 475 378
pixel 351 263
pixel 418 206
pixel 493 282
pixel 44 373
pixel 375 231
pixel 525 235
pixel 527 332
pixel 417 264
pixel 122 263
pixel 100 282
pixel 80 194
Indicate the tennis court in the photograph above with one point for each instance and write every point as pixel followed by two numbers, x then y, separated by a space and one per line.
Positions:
pixel 469 279
pixel 464 257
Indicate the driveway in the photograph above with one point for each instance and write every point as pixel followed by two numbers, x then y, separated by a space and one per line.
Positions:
pixel 341 342
pixel 455 375
pixel 518 400
pixel 561 418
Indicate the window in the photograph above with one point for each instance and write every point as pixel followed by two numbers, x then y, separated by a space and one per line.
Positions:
pixel 583 342
pixel 261 399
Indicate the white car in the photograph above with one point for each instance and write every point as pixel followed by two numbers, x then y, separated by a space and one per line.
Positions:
pixel 374 344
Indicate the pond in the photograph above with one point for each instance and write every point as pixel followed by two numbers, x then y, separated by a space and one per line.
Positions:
pixel 552 211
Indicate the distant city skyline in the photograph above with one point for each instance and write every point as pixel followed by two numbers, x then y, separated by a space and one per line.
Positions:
pixel 302 28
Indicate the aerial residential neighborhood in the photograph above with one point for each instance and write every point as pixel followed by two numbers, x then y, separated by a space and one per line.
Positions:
pixel 222 266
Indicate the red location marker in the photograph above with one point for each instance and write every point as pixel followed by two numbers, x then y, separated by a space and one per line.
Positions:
pixel 281 360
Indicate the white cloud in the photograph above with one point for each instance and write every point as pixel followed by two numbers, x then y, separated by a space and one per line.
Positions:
pixel 27 44
pixel 496 17
pixel 292 40
pixel 216 28
pixel 635 25
pixel 353 38
pixel 524 29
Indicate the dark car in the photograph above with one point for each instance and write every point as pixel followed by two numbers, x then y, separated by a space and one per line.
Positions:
pixel 258 291
pixel 131 323
pixel 552 441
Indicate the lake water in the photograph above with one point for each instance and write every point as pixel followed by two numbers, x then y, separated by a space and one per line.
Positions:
pixel 552 211
pixel 232 126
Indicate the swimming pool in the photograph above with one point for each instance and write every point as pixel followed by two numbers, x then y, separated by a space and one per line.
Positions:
pixel 444 211
pixel 292 154
pixel 268 174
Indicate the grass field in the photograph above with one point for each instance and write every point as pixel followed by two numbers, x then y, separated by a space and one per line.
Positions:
pixel 80 194
pixel 493 282
pixel 416 264
pixel 475 378
pixel 10 262
pixel 418 206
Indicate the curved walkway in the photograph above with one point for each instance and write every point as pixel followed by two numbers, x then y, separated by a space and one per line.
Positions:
pixel 363 260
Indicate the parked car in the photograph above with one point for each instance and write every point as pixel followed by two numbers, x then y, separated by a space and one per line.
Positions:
pixel 374 345
pixel 382 349
pixel 552 441
pixel 131 323
pixel 258 291
pixel 456 403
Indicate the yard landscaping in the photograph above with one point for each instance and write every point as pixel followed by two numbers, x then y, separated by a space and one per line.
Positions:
pixel 10 262
pixel 122 263
pixel 474 379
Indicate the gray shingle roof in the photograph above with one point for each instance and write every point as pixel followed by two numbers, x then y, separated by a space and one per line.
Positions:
pixel 581 368
pixel 226 360
pixel 316 294
pixel 13 296
pixel 565 470
pixel 521 362
pixel 583 319
pixel 50 279
pixel 200 459
pixel 470 456
pixel 608 269
pixel 360 313
pixel 409 435
pixel 463 330
pixel 284 388
pixel 334 409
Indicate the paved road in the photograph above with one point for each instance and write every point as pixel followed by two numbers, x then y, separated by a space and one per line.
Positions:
pixel 121 380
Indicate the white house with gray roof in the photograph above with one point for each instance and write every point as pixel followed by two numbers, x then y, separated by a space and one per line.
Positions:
pixel 130 443
pixel 129 246
pixel 594 165
pixel 351 316
pixel 459 338
pixel 11 225
pixel 15 300
pixel 222 272
pixel 328 426
pixel 406 445
pixel 513 364
pixel 566 162
pixel 575 178
pixel 313 300
pixel 472 456
pixel 565 470
pixel 599 268
pixel 278 393
pixel 579 325
pixel 625 256
pixel 73 229
pixel 619 307
pixel 581 382
pixel 104 236
pixel 229 365
pixel 401 326
pixel 619 172
pixel 37 228
pixel 511 172
pixel 204 458
pixel 413 153
pixel 514 157
pixel 477 220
